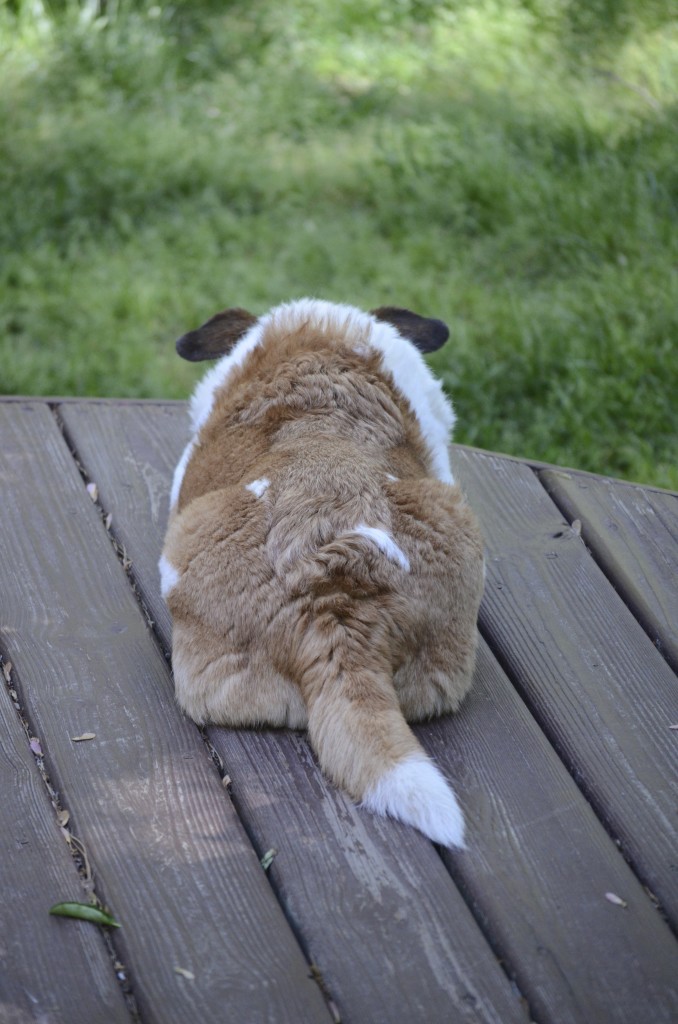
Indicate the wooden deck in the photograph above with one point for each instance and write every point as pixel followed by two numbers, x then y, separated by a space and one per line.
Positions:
pixel 564 759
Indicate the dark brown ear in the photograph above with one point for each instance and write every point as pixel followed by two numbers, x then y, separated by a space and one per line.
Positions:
pixel 216 337
pixel 428 335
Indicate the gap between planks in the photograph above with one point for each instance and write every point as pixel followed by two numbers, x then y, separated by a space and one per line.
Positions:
pixel 210 750
pixel 589 796
pixel 588 791
pixel 76 847
pixel 606 559
pixel 538 469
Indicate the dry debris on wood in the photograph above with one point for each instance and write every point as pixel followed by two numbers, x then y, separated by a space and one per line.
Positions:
pixel 612 897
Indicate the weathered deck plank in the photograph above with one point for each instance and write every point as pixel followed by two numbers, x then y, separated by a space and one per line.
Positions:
pixel 169 853
pixel 633 534
pixel 595 682
pixel 376 908
pixel 51 969
pixel 539 864
pixel 128 451
pixel 379 913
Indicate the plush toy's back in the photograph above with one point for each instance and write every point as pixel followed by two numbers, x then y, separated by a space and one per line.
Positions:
pixel 321 568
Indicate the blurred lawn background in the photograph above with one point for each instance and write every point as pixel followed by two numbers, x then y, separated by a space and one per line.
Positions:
pixel 510 166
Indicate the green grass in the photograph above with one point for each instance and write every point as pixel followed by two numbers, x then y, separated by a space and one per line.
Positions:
pixel 508 166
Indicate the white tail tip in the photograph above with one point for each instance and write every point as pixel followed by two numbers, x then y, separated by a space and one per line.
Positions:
pixel 416 792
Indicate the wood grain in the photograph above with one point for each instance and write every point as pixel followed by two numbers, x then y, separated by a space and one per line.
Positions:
pixel 169 853
pixel 633 535
pixel 128 452
pixel 539 863
pixel 595 682
pixel 374 905
pixel 377 909
pixel 51 970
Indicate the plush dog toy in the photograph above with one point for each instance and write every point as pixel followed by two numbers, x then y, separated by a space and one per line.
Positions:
pixel 321 567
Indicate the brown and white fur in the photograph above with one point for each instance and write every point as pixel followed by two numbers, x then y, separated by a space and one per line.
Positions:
pixel 320 565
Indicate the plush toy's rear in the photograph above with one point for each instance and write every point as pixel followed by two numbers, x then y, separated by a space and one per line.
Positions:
pixel 321 567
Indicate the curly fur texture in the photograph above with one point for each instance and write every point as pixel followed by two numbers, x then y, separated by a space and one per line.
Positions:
pixel 321 568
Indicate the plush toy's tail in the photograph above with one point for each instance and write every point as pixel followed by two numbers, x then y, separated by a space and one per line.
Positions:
pixel 363 742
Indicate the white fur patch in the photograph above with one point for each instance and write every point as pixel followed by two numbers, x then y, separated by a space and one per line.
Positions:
pixel 203 396
pixel 179 473
pixel 416 792
pixel 257 487
pixel 385 543
pixel 169 576
pixel 421 389
pixel 392 478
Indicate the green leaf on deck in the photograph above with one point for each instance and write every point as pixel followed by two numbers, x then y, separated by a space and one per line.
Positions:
pixel 84 912
pixel 267 859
